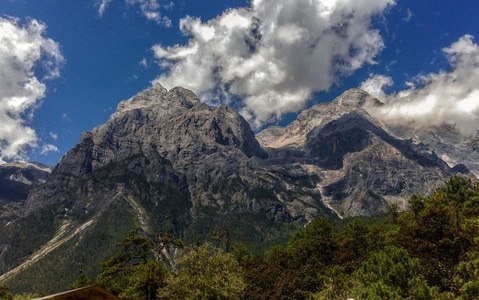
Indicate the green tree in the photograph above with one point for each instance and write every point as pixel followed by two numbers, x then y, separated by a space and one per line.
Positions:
pixel 390 274
pixel 315 242
pixel 335 284
pixel 82 281
pixel 467 276
pixel 27 296
pixel 440 228
pixel 134 273
pixel 291 272
pixel 205 272
pixel 5 292
pixel 354 244
pixel 241 253
pixel 223 237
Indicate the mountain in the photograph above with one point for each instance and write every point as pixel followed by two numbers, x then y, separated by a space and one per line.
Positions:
pixel 166 162
pixel 16 181
pixel 366 166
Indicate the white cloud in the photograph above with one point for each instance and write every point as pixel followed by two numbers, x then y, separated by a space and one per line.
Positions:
pixel 22 49
pixel 48 148
pixel 446 96
pixel 143 63
pixel 272 55
pixel 151 10
pixel 408 16
pixel 376 84
pixel 66 118
pixel 131 78
pixel 102 4
pixel 53 135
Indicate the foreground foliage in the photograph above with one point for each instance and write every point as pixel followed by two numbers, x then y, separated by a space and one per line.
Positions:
pixel 428 252
pixel 205 272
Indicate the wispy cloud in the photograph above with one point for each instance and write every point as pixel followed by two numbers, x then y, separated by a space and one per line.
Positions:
pixel 143 63
pixel 65 118
pixel 151 9
pixel 443 97
pixel 270 57
pixel 23 47
pixel 53 135
pixel 131 78
pixel 408 16
pixel 47 148
pixel 102 4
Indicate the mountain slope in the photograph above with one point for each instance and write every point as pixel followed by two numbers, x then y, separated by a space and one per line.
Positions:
pixel 166 162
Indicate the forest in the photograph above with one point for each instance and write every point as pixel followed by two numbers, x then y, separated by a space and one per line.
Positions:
pixel 429 251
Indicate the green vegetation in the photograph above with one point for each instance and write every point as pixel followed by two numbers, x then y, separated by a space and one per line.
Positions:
pixel 5 294
pixel 205 272
pixel 78 254
pixel 428 252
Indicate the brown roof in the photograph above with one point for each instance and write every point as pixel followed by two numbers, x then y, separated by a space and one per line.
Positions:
pixel 93 292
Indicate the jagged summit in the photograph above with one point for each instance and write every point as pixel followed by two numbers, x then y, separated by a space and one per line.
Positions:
pixel 160 99
pixel 355 99
pixel 294 135
pixel 175 122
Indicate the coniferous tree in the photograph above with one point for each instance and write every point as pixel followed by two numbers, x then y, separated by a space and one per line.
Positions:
pixel 134 273
pixel 390 274
pixel 205 272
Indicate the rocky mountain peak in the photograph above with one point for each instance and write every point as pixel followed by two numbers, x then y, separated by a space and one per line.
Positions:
pixel 355 99
pixel 159 99
pixel 175 123
pixel 294 135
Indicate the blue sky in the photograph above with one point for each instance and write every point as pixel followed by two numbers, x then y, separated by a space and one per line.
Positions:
pixel 66 64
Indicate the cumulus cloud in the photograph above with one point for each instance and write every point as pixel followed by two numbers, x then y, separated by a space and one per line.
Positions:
pixel 450 96
pixel 23 47
pixel 376 84
pixel 270 57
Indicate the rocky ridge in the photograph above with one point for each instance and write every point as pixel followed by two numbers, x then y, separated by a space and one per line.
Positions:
pixel 366 165
pixel 16 181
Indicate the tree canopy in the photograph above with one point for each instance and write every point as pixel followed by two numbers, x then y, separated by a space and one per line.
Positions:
pixel 429 251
